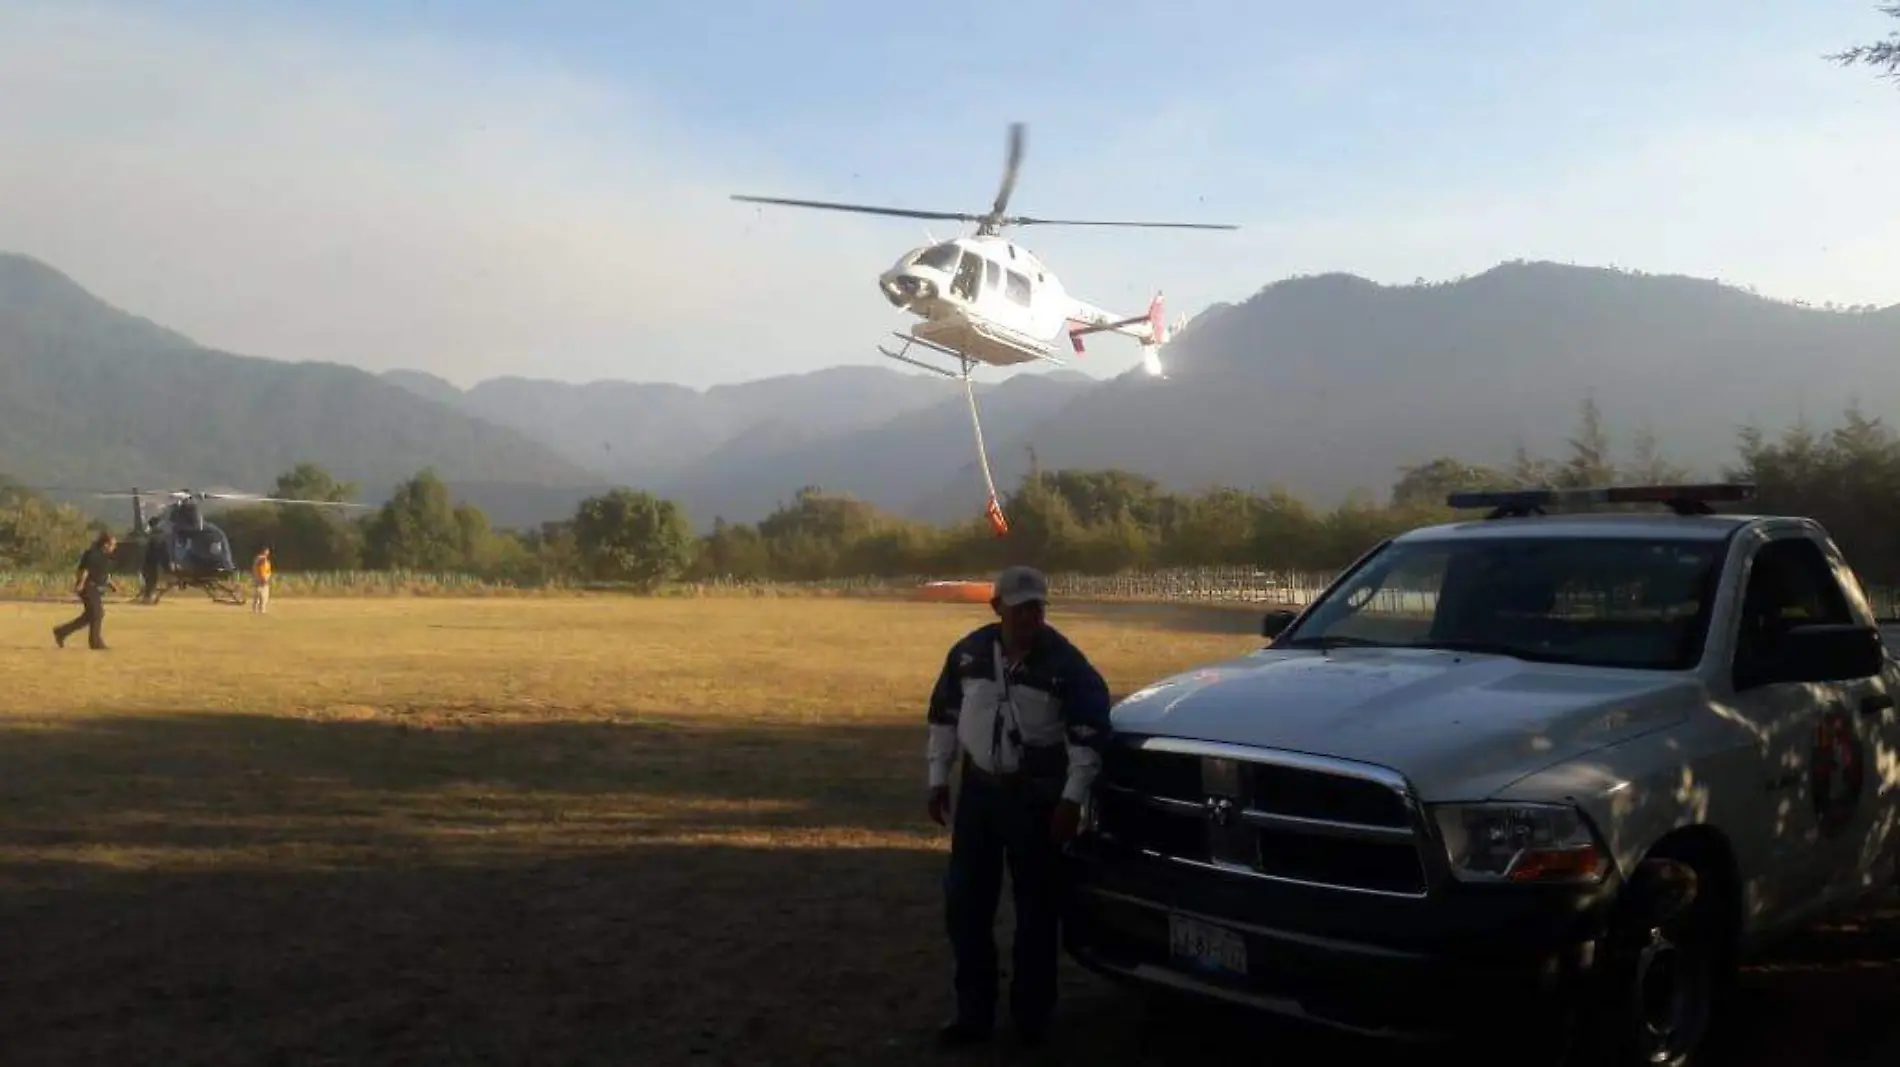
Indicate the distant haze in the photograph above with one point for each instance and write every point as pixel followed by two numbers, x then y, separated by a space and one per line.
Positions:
pixel 541 191
pixel 1320 385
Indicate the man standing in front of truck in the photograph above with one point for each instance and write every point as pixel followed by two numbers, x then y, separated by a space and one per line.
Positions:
pixel 1023 715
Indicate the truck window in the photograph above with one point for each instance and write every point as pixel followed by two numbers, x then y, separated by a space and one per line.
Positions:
pixel 1790 583
pixel 1610 601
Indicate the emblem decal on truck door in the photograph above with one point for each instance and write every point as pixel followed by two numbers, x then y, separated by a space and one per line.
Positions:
pixel 1836 769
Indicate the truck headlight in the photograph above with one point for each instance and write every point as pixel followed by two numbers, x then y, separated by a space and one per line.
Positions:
pixel 1537 844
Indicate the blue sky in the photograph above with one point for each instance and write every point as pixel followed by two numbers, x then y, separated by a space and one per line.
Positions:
pixel 482 188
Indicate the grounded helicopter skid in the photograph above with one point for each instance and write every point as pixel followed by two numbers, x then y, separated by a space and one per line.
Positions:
pixel 224 589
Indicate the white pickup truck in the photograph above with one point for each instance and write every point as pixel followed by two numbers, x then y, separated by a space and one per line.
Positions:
pixel 1546 773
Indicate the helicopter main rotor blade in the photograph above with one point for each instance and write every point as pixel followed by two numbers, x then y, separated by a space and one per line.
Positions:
pixel 306 503
pixel 253 498
pixel 902 213
pixel 1013 161
pixel 1025 221
pixel 75 490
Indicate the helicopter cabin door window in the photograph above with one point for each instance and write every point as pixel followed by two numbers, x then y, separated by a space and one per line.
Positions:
pixel 1016 287
pixel 992 276
pixel 969 276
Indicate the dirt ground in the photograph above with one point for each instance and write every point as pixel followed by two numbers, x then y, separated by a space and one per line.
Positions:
pixel 564 831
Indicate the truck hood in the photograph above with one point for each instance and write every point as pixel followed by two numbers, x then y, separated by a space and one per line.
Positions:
pixel 1460 726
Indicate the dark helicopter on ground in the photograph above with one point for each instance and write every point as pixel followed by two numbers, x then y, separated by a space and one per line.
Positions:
pixel 183 550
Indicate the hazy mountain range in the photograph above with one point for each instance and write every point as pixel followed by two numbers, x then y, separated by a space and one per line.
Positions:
pixel 1318 384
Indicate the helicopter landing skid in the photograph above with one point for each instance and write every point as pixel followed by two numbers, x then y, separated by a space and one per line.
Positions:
pixel 226 591
pixel 965 363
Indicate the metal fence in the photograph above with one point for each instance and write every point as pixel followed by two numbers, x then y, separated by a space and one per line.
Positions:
pixel 1231 585
pixel 1189 584
pixel 1228 585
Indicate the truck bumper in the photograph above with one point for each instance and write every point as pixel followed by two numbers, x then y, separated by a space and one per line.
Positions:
pixel 1463 959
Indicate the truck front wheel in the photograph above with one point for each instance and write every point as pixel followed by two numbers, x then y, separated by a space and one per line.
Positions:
pixel 1668 964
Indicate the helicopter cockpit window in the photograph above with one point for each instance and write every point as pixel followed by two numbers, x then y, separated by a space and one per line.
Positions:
pixel 939 257
pixel 992 275
pixel 969 276
pixel 1016 287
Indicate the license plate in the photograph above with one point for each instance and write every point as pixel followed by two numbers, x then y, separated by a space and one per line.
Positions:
pixel 1206 948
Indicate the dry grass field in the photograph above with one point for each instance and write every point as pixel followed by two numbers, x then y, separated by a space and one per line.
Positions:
pixel 589 830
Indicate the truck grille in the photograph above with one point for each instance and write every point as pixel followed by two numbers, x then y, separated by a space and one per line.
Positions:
pixel 1276 815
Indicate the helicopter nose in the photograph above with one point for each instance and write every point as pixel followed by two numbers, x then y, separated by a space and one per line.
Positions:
pixel 903 289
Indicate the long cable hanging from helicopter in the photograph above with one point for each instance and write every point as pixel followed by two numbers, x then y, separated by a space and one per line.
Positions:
pixel 983 299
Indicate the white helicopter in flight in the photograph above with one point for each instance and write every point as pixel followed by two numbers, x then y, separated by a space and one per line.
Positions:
pixel 984 300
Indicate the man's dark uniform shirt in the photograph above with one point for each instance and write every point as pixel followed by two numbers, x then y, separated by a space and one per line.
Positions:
pixel 1057 701
pixel 98 567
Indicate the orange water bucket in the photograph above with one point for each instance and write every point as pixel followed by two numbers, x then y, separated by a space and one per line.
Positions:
pixel 955 592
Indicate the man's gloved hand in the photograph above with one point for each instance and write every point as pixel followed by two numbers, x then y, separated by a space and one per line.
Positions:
pixel 939 805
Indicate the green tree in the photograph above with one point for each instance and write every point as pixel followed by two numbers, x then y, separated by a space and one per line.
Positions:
pixel 632 536
pixel 309 538
pixel 1647 464
pixel 311 481
pixel 1288 534
pixel 36 533
pixel 1589 465
pixel 1101 497
pixel 1532 472
pixel 811 537
pixel 1847 478
pixel 1214 528
pixel 1043 528
pixel 417 529
pixel 1428 484
pixel 1883 56
pixel 733 550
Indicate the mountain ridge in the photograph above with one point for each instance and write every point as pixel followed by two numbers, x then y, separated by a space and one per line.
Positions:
pixel 1320 384
pixel 92 395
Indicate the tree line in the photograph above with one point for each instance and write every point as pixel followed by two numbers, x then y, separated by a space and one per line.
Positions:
pixel 1074 521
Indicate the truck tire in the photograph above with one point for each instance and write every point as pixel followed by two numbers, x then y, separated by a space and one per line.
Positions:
pixel 1669 965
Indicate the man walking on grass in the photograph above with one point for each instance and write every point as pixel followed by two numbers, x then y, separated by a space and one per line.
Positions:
pixel 1022 716
pixel 92 579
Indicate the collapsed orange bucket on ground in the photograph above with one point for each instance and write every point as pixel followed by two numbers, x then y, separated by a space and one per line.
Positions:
pixel 955 592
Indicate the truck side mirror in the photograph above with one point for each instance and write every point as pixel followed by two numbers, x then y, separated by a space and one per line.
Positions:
pixel 1834 652
pixel 1276 623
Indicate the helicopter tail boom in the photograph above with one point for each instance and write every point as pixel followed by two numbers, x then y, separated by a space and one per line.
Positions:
pixel 1150 329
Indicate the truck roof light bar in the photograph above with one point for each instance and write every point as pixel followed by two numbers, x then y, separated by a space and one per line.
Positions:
pixel 1681 499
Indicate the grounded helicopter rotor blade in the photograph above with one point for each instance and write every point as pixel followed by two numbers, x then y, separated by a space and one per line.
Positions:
pixel 306 503
pixel 74 490
pixel 1026 221
pixel 253 498
pixel 1013 161
pixel 902 213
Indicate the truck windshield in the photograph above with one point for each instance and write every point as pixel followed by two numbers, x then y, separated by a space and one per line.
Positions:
pixel 1610 602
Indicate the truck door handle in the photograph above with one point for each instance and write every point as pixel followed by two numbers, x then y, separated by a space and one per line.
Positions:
pixel 1875 704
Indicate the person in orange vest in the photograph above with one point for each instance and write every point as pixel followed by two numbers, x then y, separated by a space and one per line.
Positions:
pixel 260 578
